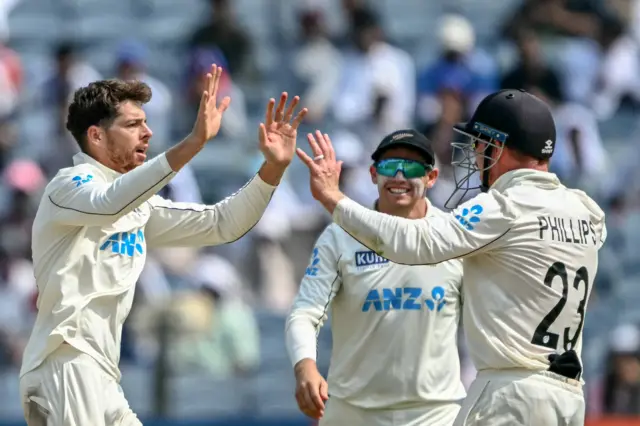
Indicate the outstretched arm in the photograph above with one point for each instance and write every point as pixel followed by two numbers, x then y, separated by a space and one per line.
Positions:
pixel 475 226
pixel 81 199
pixel 186 224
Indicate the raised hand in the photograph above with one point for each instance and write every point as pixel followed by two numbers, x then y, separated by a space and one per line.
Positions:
pixel 278 133
pixel 209 117
pixel 324 170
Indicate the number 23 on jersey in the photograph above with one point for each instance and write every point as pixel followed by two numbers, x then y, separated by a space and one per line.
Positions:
pixel 542 335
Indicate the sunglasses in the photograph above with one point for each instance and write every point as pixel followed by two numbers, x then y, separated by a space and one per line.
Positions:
pixel 411 169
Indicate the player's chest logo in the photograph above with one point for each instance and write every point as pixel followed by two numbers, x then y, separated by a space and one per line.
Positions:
pixel 369 259
pixel 125 243
pixel 405 299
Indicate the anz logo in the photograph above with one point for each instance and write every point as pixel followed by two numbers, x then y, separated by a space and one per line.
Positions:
pixel 469 217
pixel 312 269
pixel 79 180
pixel 405 299
pixel 125 243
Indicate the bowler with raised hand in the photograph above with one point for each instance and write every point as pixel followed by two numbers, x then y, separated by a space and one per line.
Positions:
pixel 93 227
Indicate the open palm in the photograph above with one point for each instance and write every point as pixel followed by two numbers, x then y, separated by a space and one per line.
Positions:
pixel 279 132
pixel 209 117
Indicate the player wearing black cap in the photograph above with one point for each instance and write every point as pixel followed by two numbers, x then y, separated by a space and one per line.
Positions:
pixel 512 119
pixel 395 356
pixel 530 249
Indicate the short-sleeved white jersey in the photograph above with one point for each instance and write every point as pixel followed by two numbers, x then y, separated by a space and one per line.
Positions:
pixel 90 238
pixel 530 248
pixel 394 326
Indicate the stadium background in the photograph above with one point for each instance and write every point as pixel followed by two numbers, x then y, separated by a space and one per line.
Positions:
pixel 204 343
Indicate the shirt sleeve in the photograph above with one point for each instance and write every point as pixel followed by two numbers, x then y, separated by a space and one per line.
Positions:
pixel 474 227
pixel 319 286
pixel 197 225
pixel 84 200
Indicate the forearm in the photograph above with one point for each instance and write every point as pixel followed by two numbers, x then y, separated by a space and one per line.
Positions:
pixel 300 339
pixel 271 174
pixel 181 153
pixel 237 214
pixel 397 239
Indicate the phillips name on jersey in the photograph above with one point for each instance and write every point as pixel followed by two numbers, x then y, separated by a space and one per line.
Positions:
pixel 530 249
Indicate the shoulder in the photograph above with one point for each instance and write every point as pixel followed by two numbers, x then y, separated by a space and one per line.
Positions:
pixel 332 234
pixel 596 214
pixel 73 177
pixel 490 210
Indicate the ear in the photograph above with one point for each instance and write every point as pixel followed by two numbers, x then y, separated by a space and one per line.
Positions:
pixel 431 178
pixel 374 175
pixel 94 135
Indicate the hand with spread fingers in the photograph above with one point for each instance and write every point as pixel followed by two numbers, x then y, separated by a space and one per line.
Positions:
pixel 209 117
pixel 324 170
pixel 278 133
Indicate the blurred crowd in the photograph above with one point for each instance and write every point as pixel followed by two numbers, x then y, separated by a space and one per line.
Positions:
pixel 364 69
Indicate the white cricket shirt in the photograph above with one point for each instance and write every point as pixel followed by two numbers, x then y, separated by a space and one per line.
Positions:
pixel 530 248
pixel 394 327
pixel 90 238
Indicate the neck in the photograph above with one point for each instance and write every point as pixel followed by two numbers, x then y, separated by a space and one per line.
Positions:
pixel 527 164
pixel 416 211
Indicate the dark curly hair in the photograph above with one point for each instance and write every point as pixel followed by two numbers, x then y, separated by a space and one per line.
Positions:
pixel 97 105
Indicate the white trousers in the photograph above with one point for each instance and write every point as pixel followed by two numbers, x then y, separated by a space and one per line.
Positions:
pixel 70 389
pixel 340 413
pixel 522 398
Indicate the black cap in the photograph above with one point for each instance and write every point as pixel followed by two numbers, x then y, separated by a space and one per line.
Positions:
pixel 516 118
pixel 408 138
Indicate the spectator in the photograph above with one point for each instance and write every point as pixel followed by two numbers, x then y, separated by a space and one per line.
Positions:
pixel 235 123
pixel 11 85
pixel 217 331
pixel 16 287
pixel 131 64
pixel 619 74
pixel 23 180
pixel 316 49
pixel 580 158
pixel 531 71
pixel 70 73
pixel 452 71
pixel 11 78
pixel 574 26
pixel 621 393
pixel 377 89
pixel 223 32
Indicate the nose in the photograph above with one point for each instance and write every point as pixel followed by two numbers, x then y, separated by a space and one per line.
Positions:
pixel 147 133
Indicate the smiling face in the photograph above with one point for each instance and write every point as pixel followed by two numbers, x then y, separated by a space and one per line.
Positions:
pixel 122 145
pixel 400 192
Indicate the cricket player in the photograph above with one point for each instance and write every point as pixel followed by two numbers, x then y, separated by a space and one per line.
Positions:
pixel 530 249
pixel 395 356
pixel 93 227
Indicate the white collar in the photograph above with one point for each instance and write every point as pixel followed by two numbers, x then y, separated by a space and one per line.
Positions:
pixel 82 158
pixel 526 177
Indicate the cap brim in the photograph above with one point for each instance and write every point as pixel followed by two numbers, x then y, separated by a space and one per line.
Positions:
pixel 428 155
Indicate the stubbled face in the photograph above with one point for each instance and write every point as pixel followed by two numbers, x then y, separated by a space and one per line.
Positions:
pixel 398 191
pixel 123 145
